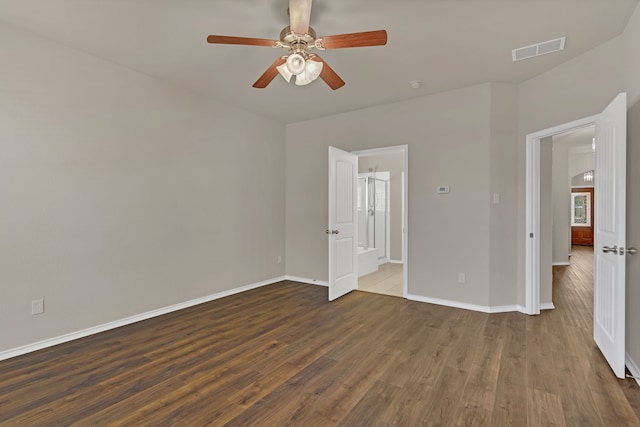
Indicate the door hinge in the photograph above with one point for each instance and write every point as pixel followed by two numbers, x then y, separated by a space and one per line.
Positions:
pixel 531 235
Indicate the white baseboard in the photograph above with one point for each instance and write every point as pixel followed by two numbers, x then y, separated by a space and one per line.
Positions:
pixel 547 306
pixel 543 306
pixel 562 263
pixel 463 305
pixel 305 280
pixel 504 308
pixel 395 261
pixel 633 368
pixel 7 354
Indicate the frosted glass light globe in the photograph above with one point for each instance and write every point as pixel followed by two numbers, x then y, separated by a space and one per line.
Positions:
pixel 296 63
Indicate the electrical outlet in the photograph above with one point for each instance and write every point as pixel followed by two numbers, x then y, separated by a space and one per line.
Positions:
pixel 461 277
pixel 37 306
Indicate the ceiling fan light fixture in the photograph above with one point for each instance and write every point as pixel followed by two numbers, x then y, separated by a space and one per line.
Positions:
pixel 296 63
pixel 311 72
pixel 298 39
pixel 284 72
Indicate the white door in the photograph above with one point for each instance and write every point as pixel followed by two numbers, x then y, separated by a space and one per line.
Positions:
pixel 343 243
pixel 609 239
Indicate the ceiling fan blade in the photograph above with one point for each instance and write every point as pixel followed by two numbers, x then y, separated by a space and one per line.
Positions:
pixel 366 38
pixel 329 76
pixel 271 73
pixel 299 15
pixel 249 41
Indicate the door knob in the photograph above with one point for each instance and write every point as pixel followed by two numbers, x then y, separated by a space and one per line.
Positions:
pixel 632 251
pixel 332 231
pixel 607 249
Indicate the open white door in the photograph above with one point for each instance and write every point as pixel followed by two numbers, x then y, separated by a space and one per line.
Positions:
pixel 609 239
pixel 343 243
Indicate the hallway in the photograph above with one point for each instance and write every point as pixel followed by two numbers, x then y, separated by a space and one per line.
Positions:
pixel 573 289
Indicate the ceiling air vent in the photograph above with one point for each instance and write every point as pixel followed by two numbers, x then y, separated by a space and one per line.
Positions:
pixel 538 49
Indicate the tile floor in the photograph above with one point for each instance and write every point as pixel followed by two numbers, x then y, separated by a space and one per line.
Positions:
pixel 387 280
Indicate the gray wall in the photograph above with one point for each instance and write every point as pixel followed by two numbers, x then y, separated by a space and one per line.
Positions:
pixel 504 214
pixel 579 88
pixel 578 181
pixel 120 195
pixel 633 233
pixel 582 87
pixel 449 136
pixel 631 61
pixel 131 195
pixel 561 229
pixel 546 219
pixel 394 164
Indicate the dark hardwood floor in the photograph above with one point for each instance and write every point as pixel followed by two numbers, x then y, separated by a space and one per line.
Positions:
pixel 283 355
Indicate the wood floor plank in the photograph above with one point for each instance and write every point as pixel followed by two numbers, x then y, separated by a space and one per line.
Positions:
pixel 545 409
pixel 432 359
pixel 345 384
pixel 541 372
pixel 374 406
pixel 479 393
pixel 283 355
pixel 510 405
pixel 612 406
pixel 578 405
pixel 630 390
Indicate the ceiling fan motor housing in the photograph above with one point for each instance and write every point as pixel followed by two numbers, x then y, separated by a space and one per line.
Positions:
pixel 298 43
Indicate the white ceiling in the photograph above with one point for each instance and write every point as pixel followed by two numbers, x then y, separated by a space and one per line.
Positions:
pixel 443 43
pixel 578 140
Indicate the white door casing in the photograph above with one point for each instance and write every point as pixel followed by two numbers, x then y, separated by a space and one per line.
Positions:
pixel 404 149
pixel 609 233
pixel 532 207
pixel 343 243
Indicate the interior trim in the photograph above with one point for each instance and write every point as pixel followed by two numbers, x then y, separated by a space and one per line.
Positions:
pixel 50 342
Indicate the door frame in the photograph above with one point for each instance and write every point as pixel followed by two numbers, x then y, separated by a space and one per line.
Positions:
pixel 532 208
pixel 404 149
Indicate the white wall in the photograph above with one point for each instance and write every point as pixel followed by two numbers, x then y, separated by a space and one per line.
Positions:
pixel 561 201
pixel 580 163
pixel 121 195
pixel 578 181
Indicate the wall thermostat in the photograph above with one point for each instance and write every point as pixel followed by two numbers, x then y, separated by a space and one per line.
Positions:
pixel 443 189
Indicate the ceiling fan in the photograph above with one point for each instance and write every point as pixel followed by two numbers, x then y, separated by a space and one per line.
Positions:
pixel 299 40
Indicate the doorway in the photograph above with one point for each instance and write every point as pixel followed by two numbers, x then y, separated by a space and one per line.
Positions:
pixel 539 245
pixel 610 223
pixel 568 160
pixel 382 219
pixel 561 156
